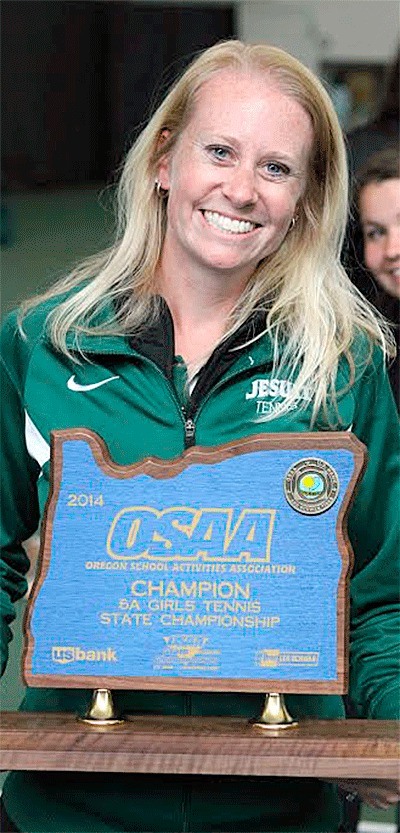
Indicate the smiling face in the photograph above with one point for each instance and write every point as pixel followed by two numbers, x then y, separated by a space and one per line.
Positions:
pixel 235 176
pixel 379 205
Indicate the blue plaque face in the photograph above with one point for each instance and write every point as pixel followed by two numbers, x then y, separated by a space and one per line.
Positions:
pixel 224 569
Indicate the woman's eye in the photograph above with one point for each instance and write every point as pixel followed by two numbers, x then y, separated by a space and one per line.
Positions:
pixel 219 153
pixel 276 169
pixel 374 233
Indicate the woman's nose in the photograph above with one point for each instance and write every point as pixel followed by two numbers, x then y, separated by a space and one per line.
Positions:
pixel 392 247
pixel 240 186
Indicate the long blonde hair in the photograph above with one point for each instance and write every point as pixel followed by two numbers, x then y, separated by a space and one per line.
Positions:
pixel 312 311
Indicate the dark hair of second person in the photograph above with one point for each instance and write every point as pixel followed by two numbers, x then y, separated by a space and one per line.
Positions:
pixel 377 199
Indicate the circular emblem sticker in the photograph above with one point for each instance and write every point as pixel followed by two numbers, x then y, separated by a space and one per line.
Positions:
pixel 311 486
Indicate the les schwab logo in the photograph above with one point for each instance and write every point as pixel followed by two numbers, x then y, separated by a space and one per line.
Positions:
pixel 274 657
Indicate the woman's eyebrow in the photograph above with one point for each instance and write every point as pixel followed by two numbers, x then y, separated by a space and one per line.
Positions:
pixel 373 223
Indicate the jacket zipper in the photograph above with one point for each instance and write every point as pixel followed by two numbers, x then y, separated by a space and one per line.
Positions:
pixel 190 430
pixel 190 415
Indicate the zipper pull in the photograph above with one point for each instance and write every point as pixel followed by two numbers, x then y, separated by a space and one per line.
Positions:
pixel 189 432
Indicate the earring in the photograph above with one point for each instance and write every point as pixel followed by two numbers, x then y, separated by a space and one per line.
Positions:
pixel 160 191
pixel 293 222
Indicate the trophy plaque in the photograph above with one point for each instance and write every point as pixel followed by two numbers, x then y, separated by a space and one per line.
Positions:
pixel 224 569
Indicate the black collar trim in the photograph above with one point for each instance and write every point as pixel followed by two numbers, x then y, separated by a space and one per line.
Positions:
pixel 157 343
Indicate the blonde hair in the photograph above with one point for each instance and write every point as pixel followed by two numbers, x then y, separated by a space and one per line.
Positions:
pixel 312 311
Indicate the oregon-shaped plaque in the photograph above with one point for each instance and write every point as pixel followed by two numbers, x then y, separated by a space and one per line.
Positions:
pixel 224 569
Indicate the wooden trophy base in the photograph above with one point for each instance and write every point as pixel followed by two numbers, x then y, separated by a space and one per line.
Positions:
pixel 201 745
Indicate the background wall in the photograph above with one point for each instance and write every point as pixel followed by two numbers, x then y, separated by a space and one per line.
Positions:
pixel 319 30
pixel 79 77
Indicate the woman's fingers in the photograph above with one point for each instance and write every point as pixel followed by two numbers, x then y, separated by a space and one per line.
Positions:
pixel 380 794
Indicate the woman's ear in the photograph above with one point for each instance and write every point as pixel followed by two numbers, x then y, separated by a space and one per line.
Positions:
pixel 163 165
pixel 163 137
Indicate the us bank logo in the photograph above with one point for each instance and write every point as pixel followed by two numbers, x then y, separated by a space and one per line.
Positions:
pixel 63 655
pixel 182 533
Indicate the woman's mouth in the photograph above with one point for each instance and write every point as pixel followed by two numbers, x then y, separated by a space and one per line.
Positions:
pixel 224 223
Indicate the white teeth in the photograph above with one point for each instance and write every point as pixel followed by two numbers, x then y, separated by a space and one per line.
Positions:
pixel 226 224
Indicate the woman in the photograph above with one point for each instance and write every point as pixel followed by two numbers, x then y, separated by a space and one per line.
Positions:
pixel 378 202
pixel 225 271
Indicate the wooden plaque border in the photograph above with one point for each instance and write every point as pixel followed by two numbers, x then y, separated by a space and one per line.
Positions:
pixel 164 469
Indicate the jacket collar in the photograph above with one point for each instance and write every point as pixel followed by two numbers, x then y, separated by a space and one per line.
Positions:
pixel 156 343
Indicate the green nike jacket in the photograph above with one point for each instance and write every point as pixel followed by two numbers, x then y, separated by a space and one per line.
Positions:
pixel 133 393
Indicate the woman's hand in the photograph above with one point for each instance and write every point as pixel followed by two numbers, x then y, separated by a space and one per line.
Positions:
pixel 381 794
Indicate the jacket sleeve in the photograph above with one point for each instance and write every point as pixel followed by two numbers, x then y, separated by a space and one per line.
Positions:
pixel 19 504
pixel 373 530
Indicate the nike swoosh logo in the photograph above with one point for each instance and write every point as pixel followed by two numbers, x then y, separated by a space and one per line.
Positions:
pixel 72 385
